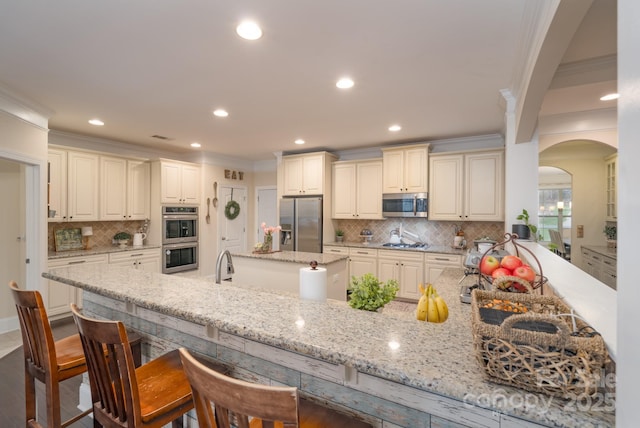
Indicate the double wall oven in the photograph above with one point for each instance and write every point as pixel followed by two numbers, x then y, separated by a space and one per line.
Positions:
pixel 179 238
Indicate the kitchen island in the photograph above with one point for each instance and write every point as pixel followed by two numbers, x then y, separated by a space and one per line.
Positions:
pixel 280 271
pixel 385 367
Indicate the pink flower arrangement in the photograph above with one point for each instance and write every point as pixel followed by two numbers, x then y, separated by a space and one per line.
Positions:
pixel 269 230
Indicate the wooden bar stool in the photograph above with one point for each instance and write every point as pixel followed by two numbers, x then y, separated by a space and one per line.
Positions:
pixel 152 395
pixel 269 406
pixel 49 361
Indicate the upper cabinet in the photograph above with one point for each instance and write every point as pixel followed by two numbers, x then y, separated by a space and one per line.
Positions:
pixel 467 186
pixel 73 185
pixel 611 164
pixel 180 183
pixel 124 189
pixel 305 174
pixel 405 169
pixel 357 189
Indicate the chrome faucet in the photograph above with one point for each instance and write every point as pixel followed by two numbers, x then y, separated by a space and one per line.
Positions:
pixel 219 264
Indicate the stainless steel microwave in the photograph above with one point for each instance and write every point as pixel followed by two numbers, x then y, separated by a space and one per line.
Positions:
pixel 405 205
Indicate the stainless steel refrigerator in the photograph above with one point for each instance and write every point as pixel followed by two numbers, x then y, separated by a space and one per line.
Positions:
pixel 301 221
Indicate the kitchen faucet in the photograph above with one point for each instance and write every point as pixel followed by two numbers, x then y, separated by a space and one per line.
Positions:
pixel 219 264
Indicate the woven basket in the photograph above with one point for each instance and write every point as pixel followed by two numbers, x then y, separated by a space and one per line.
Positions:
pixel 536 350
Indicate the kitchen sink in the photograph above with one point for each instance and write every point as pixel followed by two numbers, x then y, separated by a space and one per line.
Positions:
pixel 405 245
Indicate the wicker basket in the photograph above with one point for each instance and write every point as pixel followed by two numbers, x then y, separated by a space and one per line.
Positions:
pixel 536 350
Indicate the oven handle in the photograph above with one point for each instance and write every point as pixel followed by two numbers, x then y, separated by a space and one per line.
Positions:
pixel 180 217
pixel 180 246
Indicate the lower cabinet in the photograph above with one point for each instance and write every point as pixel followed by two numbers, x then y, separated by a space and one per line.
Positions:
pixel 600 266
pixel 147 260
pixel 434 264
pixel 361 261
pixel 405 267
pixel 60 296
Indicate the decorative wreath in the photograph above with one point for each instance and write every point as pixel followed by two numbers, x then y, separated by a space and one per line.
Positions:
pixel 231 210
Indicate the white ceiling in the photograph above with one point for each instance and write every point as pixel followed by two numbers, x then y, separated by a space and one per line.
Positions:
pixel 159 67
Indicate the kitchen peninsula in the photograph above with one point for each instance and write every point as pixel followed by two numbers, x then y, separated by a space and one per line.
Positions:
pixel 280 271
pixel 382 366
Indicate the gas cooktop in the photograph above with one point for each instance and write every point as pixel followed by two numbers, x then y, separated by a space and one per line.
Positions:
pixel 404 245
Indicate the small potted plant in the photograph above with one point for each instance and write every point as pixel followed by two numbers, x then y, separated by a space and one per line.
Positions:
pixel 369 294
pixel 526 230
pixel 611 231
pixel 339 235
pixel 122 238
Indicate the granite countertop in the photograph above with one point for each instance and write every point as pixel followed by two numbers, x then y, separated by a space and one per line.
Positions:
pixel 299 257
pixel 603 249
pixel 97 250
pixel 442 249
pixel 437 358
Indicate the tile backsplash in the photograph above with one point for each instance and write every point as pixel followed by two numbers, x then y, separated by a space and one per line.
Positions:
pixel 103 231
pixel 431 232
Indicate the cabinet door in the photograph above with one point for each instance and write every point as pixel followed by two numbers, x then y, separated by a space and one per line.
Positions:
pixel 344 190
pixel 484 187
pixel 358 266
pixel 368 193
pixel 190 184
pixel 388 269
pixel 83 189
pixel 393 171
pixel 57 160
pixel 113 188
pixel 445 187
pixel 415 170
pixel 59 295
pixel 138 190
pixel 171 183
pixel 612 195
pixel 312 175
pixel 292 176
pixel 149 264
pixel 411 275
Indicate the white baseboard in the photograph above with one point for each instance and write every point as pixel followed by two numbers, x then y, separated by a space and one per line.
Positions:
pixel 9 324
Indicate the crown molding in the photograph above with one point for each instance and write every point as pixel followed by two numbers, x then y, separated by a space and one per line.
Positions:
pixel 592 70
pixel 24 109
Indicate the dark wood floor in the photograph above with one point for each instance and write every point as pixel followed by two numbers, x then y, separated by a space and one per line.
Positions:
pixel 12 388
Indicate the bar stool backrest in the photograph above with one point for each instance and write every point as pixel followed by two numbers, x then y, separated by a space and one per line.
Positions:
pixel 236 399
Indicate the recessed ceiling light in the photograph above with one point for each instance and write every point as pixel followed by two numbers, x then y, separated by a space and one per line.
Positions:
pixel 299 141
pixel 249 30
pixel 220 113
pixel 395 128
pixel 344 83
pixel 196 145
pixel 610 97
pixel 96 122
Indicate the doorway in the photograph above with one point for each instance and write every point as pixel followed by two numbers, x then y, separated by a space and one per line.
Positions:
pixel 232 219
pixel 266 211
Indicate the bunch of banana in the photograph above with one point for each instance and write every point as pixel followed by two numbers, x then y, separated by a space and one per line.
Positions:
pixel 431 307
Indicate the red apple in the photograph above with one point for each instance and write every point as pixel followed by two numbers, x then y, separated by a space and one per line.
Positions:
pixel 511 262
pixel 526 273
pixel 502 272
pixel 488 264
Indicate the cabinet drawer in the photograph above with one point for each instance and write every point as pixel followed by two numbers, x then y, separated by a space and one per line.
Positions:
pixel 399 254
pixel 70 261
pixel 134 254
pixel 363 252
pixel 335 250
pixel 444 259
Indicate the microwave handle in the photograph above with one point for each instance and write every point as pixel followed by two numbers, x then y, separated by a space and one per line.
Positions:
pixel 415 205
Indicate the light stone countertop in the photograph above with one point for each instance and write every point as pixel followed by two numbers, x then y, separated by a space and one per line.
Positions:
pixel 53 255
pixel 437 358
pixel 442 249
pixel 299 257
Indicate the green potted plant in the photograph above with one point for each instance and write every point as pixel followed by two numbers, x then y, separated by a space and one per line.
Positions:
pixel 526 230
pixel 122 238
pixel 369 294
pixel 611 231
pixel 339 235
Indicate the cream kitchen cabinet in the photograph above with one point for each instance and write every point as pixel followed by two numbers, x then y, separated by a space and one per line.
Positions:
pixel 361 261
pixel 435 263
pixel 124 189
pixel 611 165
pixel 406 267
pixel 600 266
pixel 59 295
pixel 73 185
pixel 144 259
pixel 179 183
pixel 405 169
pixel 357 190
pixel 306 174
pixel 467 186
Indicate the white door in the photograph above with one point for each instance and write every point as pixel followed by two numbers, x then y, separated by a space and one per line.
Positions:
pixel 266 211
pixel 232 234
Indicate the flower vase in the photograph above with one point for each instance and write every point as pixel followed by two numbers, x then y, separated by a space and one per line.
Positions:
pixel 267 244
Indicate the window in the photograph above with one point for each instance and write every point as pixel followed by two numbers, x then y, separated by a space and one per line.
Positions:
pixel 550 200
